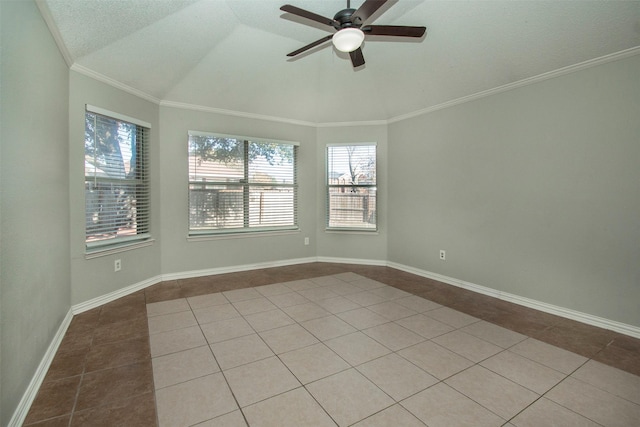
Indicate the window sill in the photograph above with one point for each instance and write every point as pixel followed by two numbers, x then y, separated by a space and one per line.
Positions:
pixel 123 247
pixel 350 231
pixel 241 235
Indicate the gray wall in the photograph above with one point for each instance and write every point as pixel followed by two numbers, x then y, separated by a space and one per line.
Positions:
pixel 92 278
pixel 534 191
pixel 180 255
pixel 34 231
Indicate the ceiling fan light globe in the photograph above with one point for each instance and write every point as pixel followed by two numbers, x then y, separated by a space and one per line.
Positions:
pixel 348 39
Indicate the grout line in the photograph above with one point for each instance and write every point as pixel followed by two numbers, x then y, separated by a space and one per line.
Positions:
pixel 395 352
pixel 235 399
pixel 153 379
pixel 84 368
pixel 561 405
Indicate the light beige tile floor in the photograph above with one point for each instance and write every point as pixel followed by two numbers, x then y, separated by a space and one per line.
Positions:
pixel 348 350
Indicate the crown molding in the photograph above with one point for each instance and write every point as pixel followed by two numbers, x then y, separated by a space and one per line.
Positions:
pixel 348 124
pixel 202 108
pixel 55 33
pixel 113 82
pixel 520 83
pixel 469 98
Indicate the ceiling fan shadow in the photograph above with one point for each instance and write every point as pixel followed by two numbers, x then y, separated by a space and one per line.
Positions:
pixel 310 51
pixel 304 21
pixel 392 39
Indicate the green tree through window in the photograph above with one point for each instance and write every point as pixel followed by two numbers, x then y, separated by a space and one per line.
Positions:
pixel 116 181
pixel 237 184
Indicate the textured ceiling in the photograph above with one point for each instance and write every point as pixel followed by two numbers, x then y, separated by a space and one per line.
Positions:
pixel 231 54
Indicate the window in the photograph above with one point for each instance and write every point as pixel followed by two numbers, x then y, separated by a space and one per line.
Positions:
pixel 239 184
pixel 116 179
pixel 351 187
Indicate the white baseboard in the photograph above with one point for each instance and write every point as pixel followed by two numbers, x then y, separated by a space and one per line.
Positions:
pixel 352 261
pixel 236 268
pixel 112 296
pixel 30 394
pixel 589 319
pixel 32 389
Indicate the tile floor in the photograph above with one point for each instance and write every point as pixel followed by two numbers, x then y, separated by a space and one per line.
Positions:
pixel 332 344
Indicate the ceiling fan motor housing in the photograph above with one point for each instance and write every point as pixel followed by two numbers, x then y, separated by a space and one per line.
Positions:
pixel 344 19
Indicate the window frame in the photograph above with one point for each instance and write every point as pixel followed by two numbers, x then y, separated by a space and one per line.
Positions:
pixel 142 181
pixel 246 184
pixel 329 186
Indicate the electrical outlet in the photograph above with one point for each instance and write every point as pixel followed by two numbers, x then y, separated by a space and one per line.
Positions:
pixel 117 265
pixel 306 241
pixel 443 254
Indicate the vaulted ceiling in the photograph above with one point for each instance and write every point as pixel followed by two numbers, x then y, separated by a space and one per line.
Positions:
pixel 231 54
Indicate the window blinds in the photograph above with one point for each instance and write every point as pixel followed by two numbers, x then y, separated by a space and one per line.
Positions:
pixel 117 193
pixel 351 187
pixel 238 184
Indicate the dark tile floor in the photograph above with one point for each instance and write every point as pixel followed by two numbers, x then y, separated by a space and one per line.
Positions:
pixel 102 372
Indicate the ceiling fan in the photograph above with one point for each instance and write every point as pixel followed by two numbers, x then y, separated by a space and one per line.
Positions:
pixel 350 30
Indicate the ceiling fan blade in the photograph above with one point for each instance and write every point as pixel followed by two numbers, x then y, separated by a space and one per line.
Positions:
pixel 367 9
pixel 357 59
pixel 309 15
pixel 394 30
pixel 310 45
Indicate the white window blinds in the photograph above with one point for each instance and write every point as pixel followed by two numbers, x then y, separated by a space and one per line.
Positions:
pixel 239 184
pixel 117 199
pixel 351 187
